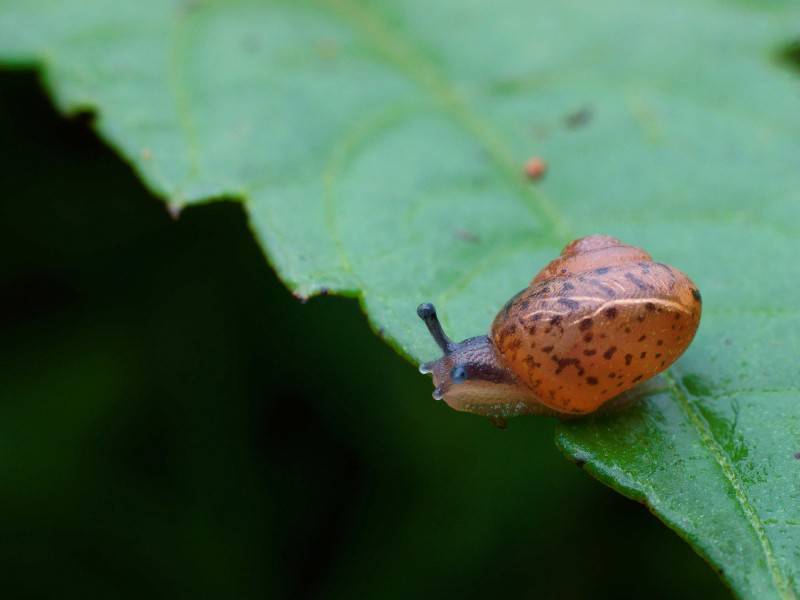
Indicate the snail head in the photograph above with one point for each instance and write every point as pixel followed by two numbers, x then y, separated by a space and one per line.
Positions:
pixel 469 373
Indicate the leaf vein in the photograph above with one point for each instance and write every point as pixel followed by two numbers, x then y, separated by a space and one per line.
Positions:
pixel 729 472
pixel 422 71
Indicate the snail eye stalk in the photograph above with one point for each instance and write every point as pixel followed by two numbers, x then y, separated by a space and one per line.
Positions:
pixel 427 312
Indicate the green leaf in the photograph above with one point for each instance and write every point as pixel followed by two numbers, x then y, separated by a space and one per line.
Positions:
pixel 378 149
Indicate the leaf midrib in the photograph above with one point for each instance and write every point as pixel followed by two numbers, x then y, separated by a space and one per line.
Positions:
pixel 412 62
pixel 734 480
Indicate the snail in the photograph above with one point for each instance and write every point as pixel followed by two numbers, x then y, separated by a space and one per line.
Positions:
pixel 596 321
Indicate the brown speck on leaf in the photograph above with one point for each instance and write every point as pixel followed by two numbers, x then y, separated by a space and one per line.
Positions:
pixel 535 168
pixel 578 118
pixel 466 236
pixel 147 154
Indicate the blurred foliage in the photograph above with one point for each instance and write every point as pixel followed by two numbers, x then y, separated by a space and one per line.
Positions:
pixel 174 424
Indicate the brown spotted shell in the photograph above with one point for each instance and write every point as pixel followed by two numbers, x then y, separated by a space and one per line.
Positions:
pixel 596 321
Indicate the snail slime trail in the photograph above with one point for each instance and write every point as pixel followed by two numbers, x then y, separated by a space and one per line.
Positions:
pixel 596 321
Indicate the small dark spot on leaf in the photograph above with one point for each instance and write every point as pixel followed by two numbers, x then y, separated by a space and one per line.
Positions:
pixel 585 324
pixel 696 295
pixel 650 306
pixel 658 354
pixel 591 380
pixel 637 378
pixel 547 349
pixel 578 118
pixel 642 338
pixel 660 343
pixel 643 354
pixel 466 236
pixel 628 359
pixel 789 55
pixel 609 353
pixel 589 352
pixel 611 313
pixel 588 338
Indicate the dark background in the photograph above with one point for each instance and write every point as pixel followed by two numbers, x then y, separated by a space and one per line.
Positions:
pixel 173 423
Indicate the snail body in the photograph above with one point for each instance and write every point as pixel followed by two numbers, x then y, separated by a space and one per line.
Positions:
pixel 596 321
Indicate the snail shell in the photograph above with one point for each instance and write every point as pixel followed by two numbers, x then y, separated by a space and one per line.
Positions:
pixel 596 321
